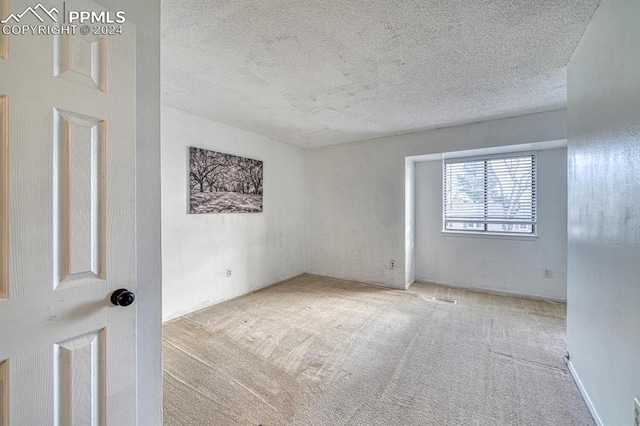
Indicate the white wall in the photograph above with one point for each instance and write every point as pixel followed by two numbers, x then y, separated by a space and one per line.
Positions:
pixel 496 263
pixel 355 193
pixel 145 14
pixel 197 249
pixel 410 222
pixel 603 312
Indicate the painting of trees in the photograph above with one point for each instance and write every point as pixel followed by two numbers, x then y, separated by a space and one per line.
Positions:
pixel 224 183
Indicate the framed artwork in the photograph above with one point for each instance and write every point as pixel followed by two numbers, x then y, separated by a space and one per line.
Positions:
pixel 224 183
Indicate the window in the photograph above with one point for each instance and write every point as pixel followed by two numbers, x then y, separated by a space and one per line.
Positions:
pixel 494 194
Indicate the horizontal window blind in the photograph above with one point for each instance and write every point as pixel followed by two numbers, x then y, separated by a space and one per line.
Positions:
pixel 494 194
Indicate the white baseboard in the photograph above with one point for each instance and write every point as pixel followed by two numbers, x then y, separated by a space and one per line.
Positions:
pixel 584 393
pixel 208 304
pixel 371 283
pixel 494 291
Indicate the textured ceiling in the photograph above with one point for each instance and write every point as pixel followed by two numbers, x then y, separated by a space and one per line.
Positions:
pixel 323 72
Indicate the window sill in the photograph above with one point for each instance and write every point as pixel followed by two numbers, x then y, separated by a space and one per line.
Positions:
pixel 493 235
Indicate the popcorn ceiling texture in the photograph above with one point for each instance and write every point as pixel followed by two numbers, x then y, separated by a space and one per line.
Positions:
pixel 334 71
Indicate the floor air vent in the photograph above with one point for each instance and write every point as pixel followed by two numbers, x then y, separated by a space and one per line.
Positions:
pixel 445 300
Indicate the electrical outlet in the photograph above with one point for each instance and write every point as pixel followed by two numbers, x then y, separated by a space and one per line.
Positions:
pixel 547 273
pixel 636 411
pixel 228 273
pixel 392 264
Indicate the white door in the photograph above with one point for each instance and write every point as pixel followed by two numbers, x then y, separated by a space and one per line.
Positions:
pixel 67 228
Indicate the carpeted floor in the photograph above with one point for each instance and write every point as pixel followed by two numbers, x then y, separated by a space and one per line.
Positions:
pixel 319 351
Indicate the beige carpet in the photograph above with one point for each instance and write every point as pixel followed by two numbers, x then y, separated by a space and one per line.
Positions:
pixel 318 351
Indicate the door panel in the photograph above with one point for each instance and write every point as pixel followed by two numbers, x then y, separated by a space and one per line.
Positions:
pixel 81 60
pixel 4 394
pixel 67 230
pixel 78 369
pixel 4 198
pixel 79 198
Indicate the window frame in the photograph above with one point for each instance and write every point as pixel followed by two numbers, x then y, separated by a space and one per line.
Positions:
pixel 484 231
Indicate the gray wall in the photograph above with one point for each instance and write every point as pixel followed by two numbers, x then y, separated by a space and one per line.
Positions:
pixel 355 194
pixel 497 263
pixel 197 249
pixel 603 314
pixel 145 14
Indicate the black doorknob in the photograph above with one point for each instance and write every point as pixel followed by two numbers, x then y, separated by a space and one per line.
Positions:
pixel 122 297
